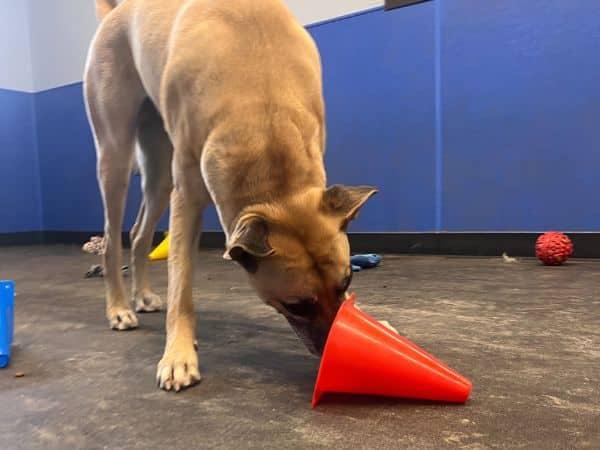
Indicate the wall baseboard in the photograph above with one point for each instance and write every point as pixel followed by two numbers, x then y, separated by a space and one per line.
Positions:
pixel 23 238
pixel 210 239
pixel 587 245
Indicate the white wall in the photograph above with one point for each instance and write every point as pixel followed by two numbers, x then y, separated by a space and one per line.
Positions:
pixel 59 32
pixel 15 55
pixel 311 11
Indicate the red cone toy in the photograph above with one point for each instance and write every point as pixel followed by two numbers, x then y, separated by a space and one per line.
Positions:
pixel 364 357
pixel 553 248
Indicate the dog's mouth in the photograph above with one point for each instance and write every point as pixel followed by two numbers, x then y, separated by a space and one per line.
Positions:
pixel 310 320
pixel 314 340
pixel 311 324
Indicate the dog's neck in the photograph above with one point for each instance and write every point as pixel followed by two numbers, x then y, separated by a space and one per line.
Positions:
pixel 253 165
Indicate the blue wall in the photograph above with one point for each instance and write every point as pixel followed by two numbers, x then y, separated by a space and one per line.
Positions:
pixel 71 196
pixel 378 74
pixel 469 116
pixel 67 161
pixel 521 114
pixel 20 203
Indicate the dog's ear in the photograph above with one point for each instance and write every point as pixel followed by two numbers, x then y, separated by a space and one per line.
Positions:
pixel 345 201
pixel 248 242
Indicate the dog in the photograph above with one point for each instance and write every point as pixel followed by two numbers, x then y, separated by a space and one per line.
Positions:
pixel 217 102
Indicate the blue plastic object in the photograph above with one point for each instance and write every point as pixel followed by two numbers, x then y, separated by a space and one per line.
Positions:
pixel 7 299
pixel 365 261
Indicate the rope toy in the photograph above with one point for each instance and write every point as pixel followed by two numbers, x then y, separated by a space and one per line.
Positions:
pixel 97 246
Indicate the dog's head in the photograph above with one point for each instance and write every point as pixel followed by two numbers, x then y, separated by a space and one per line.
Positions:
pixel 297 256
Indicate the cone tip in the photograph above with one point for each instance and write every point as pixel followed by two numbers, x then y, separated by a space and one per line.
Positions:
pixel 467 390
pixel 461 391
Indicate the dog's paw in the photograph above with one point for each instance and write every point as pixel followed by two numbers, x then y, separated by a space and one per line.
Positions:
pixel 147 302
pixel 178 370
pixel 122 319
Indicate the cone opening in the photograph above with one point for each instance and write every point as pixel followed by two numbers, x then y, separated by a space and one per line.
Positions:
pixel 317 393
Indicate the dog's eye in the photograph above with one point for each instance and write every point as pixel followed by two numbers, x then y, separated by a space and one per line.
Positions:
pixel 306 308
pixel 346 283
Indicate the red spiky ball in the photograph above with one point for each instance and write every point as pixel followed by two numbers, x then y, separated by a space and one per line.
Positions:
pixel 553 248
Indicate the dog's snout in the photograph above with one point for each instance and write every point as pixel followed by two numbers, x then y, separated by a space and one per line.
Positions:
pixel 313 338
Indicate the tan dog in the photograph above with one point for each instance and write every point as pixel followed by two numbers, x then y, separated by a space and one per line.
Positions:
pixel 228 95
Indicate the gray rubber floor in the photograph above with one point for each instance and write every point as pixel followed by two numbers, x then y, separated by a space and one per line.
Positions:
pixel 527 336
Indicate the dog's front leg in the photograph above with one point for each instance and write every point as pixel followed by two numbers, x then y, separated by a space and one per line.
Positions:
pixel 178 367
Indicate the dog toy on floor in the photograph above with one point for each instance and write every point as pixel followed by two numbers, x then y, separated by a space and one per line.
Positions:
pixel 97 271
pixel 366 261
pixel 7 298
pixel 553 248
pixel 95 246
pixel 161 252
